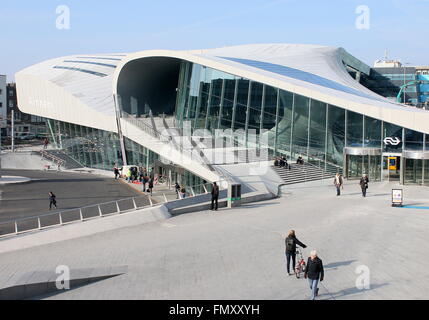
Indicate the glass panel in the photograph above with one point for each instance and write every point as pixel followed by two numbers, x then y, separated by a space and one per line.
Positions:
pixel 354 129
pixel 284 125
pixel 214 108
pixel 228 103
pixel 255 106
pixel 372 136
pixel 413 171
pixel 413 140
pixel 336 135
pixel 241 108
pixel 300 126
pixel 426 171
pixel 317 130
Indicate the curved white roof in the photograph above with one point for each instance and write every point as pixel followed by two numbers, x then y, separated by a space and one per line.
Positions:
pixel 311 70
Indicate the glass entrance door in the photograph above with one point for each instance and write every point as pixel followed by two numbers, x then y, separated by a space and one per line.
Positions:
pixel 358 165
pixel 391 168
pixel 354 166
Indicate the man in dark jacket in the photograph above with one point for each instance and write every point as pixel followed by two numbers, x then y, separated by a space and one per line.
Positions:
pixel 291 241
pixel 52 200
pixel 215 196
pixel 314 271
pixel 364 184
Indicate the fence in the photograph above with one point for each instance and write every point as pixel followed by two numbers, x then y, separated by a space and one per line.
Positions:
pixel 60 218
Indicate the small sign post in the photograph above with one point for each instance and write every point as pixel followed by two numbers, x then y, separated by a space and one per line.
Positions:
pixel 397 198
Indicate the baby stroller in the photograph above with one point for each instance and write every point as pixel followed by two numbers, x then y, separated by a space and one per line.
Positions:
pixel 300 265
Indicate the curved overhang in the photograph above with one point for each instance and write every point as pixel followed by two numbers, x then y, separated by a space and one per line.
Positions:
pixel 381 108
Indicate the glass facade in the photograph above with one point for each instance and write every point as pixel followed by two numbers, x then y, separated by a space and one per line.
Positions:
pixel 90 147
pixel 294 124
pixel 289 124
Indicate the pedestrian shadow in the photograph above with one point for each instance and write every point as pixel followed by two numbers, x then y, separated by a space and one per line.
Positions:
pixel 259 205
pixel 377 194
pixel 335 265
pixel 350 291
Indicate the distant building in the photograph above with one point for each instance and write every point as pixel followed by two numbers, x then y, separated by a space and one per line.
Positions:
pixel 3 107
pixel 388 76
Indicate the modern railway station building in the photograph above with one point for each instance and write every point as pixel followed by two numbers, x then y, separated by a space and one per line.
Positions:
pixel 288 99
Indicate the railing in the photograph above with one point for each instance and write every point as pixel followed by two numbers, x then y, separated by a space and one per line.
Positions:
pixel 140 123
pixel 64 217
pixel 53 158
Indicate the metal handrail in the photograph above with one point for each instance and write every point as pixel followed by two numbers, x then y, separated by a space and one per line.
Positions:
pixel 155 133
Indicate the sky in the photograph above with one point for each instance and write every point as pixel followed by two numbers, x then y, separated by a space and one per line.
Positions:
pixel 30 33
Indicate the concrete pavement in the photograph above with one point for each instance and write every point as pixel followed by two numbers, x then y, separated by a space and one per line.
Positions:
pixel 239 253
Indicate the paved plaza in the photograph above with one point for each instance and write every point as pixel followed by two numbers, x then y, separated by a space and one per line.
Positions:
pixel 73 190
pixel 239 253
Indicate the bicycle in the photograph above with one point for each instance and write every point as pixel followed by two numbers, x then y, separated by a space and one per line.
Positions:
pixel 300 265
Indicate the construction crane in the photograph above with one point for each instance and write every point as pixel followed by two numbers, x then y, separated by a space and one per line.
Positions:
pixel 409 84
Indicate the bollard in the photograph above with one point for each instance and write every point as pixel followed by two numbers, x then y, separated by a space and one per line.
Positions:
pixel 117 207
pixel 80 214
pixel 165 197
pixel 99 211
pixel 135 205
pixel 150 201
pixel 38 223
pixel 61 219
pixel 16 228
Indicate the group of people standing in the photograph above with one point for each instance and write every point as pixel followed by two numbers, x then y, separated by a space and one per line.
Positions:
pixel 339 183
pixel 313 269
pixel 140 174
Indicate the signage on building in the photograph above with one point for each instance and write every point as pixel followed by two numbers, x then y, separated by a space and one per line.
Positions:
pixel 397 198
pixel 392 141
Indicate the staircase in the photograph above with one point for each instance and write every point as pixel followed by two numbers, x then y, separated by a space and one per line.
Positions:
pixel 59 156
pixel 300 173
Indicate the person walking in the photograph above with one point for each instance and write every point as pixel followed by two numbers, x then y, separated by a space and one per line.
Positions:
pixel 215 196
pixel 150 185
pixel 129 175
pixel 45 143
pixel 364 184
pixel 116 171
pixel 177 188
pixel 314 272
pixel 52 200
pixel 183 192
pixel 291 242
pixel 338 182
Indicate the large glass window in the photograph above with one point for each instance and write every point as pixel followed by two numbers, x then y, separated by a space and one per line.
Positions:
pixel 284 125
pixel 354 129
pixel 300 125
pixel 336 135
pixel 227 104
pixel 372 137
pixel 241 106
pixel 413 140
pixel 254 111
pixel 317 130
